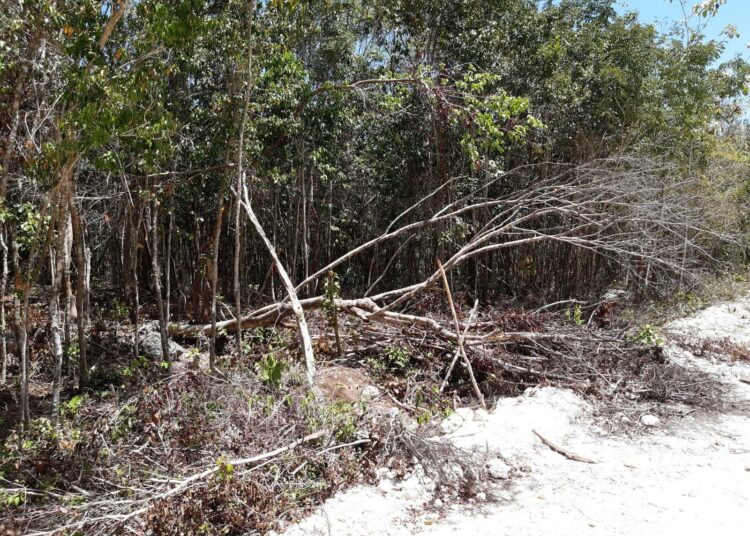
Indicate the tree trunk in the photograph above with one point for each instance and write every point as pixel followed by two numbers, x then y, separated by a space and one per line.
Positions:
pixel 23 358
pixel 156 273
pixel 81 291
pixel 241 178
pixel 56 332
pixel 69 304
pixel 23 286
pixel 168 267
pixel 135 224
pixel 215 281
pixel 3 289
pixel 23 403
pixel 237 253
pixel 296 305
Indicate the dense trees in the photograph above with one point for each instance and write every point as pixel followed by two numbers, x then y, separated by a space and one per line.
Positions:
pixel 540 150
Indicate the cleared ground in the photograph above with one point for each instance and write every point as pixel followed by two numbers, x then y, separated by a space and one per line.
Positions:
pixel 689 474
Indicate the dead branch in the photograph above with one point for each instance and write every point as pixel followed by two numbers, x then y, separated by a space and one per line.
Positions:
pixel 619 208
pixel 461 345
pixel 182 486
pixel 460 338
pixel 296 306
pixel 568 454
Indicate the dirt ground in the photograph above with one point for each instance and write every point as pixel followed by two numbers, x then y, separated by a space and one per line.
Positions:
pixel 686 473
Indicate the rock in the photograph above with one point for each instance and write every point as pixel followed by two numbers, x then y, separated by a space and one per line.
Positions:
pixel 503 496
pixel 453 472
pixel 386 485
pixel 481 415
pixel 382 472
pixel 650 420
pixel 414 488
pixel 456 420
pixel 616 295
pixel 370 392
pixel 149 343
pixel 481 496
pixel 498 469
pixel 437 503
pixel 345 384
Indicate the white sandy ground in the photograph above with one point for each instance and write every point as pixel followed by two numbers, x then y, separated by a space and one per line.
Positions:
pixel 687 476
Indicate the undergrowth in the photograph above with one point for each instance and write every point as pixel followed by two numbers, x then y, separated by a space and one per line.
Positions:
pixel 112 462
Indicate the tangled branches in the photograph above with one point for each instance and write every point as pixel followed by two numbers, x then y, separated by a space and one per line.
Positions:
pixel 627 214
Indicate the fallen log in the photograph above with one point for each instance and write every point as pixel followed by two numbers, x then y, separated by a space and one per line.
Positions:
pixel 362 309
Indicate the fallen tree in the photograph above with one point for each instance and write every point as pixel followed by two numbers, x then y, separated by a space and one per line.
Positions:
pixel 625 209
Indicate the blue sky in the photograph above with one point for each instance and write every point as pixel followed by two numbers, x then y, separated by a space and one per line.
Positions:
pixel 664 14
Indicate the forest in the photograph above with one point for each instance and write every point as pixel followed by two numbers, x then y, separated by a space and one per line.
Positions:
pixel 218 217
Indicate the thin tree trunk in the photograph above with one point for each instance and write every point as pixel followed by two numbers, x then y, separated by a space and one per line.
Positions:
pixel 23 405
pixel 3 289
pixel 56 332
pixel 81 292
pixel 305 240
pixel 237 253
pixel 87 282
pixel 114 17
pixel 15 118
pixel 215 281
pixel 168 267
pixel 335 314
pixel 128 251
pixel 296 305
pixel 23 358
pixel 23 285
pixel 156 273
pixel 130 263
pixel 82 255
pixel 68 300
pixel 241 178
pixel 136 298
